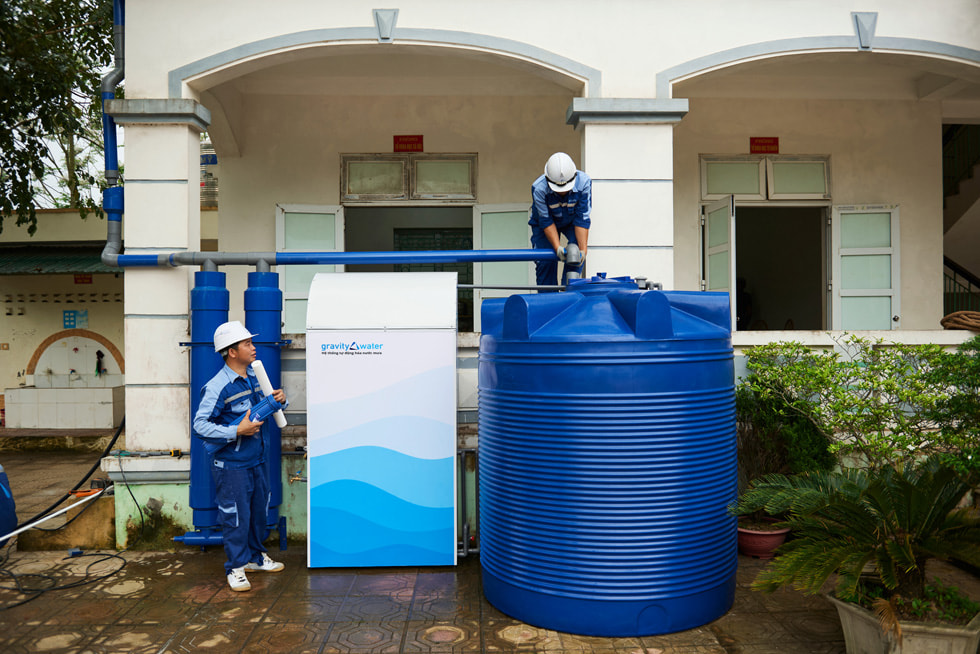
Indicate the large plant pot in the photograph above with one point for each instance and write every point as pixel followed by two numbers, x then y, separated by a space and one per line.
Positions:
pixel 864 635
pixel 760 543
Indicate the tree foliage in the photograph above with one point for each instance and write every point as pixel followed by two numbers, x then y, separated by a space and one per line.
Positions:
pixel 879 404
pixel 52 53
pixel 904 420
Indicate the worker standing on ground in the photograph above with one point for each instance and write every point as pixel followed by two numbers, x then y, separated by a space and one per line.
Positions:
pixel 237 454
pixel 561 202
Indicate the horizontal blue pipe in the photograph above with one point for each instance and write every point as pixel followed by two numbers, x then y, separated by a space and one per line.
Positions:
pixel 138 260
pixel 416 256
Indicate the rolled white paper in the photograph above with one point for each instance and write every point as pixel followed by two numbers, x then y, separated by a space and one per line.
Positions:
pixel 267 390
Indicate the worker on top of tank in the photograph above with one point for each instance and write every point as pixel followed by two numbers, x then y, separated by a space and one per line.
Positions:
pixel 237 454
pixel 561 202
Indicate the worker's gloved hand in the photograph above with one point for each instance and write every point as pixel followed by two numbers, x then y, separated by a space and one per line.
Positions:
pixel 561 254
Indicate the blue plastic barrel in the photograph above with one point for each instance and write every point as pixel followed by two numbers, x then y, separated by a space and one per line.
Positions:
pixel 607 458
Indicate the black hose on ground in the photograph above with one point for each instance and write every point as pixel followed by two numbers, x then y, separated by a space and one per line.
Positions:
pixel 88 474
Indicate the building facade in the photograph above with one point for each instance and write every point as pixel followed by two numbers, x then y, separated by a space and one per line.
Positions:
pixel 789 153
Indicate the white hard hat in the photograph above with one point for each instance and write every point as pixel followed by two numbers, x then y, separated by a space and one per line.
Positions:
pixel 560 172
pixel 229 333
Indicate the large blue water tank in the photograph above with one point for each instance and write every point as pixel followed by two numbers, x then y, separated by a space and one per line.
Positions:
pixel 607 458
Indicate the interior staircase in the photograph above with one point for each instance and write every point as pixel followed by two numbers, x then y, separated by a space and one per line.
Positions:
pixel 961 217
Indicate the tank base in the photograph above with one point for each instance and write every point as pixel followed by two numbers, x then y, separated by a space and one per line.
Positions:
pixel 609 618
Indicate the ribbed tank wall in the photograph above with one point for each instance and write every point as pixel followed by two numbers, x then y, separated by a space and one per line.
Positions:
pixel 607 461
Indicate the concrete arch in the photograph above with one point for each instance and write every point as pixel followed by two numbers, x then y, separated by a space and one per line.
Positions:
pixel 69 333
pixel 517 51
pixel 781 47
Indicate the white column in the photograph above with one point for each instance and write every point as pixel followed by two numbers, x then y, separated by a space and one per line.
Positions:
pixel 162 214
pixel 627 149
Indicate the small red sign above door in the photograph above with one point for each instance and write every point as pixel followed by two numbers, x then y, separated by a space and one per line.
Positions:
pixel 408 143
pixel 764 144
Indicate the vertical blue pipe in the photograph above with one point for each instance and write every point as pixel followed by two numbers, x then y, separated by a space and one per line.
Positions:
pixel 263 316
pixel 209 308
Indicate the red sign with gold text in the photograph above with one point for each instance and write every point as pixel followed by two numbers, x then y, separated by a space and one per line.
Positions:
pixel 408 143
pixel 764 144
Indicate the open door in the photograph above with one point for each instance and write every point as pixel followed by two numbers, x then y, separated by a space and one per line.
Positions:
pixel 718 239
pixel 497 227
pixel 305 228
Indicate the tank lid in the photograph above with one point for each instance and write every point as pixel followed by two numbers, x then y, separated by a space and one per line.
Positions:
pixel 599 283
pixel 608 310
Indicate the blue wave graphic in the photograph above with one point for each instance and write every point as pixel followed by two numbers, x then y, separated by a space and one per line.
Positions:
pixel 416 436
pixel 422 482
pixel 378 507
pixel 392 555
pixel 355 540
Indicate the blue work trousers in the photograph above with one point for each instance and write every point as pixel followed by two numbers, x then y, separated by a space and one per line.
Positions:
pixel 546 272
pixel 243 506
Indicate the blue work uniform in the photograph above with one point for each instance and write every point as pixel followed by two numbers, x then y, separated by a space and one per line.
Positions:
pixel 237 464
pixel 565 213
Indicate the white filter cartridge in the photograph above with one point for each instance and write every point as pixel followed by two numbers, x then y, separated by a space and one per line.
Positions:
pixel 267 390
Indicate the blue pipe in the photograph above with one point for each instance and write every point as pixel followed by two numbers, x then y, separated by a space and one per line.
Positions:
pixel 263 316
pixel 423 256
pixel 265 259
pixel 112 196
pixel 209 308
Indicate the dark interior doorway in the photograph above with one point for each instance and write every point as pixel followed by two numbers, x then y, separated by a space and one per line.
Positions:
pixel 382 229
pixel 781 268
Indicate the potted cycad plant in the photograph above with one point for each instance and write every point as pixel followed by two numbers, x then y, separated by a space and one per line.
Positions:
pixel 771 439
pixel 874 523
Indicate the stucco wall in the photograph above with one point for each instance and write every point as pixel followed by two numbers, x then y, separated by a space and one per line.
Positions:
pixel 37 302
pixel 629 41
pixel 881 153
pixel 290 153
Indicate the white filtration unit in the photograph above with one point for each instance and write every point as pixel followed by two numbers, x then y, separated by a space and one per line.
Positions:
pixel 381 419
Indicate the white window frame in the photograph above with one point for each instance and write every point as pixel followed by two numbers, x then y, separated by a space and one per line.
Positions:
pixel 894 250
pixel 766 177
pixel 409 194
pixel 771 178
pixel 747 158
pixel 281 211
pixel 481 294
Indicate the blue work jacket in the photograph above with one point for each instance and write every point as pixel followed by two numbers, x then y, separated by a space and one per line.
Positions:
pixel 224 400
pixel 573 210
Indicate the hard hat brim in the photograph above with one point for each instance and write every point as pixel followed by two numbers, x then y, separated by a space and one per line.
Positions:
pixel 562 188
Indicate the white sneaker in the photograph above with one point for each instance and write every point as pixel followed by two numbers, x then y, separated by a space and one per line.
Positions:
pixel 267 565
pixel 237 580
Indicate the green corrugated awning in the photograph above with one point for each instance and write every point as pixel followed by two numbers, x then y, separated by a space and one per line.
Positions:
pixel 52 260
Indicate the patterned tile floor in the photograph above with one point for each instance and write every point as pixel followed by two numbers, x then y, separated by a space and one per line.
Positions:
pixel 178 602
pixel 162 602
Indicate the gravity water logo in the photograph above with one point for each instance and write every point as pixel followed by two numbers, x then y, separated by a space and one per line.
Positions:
pixel 351 349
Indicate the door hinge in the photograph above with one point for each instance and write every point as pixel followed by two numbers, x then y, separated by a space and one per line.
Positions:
pixel 702 220
pixel 704 285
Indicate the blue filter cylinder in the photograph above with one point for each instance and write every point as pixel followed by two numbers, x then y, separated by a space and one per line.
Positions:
pixel 209 308
pixel 607 458
pixel 263 316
